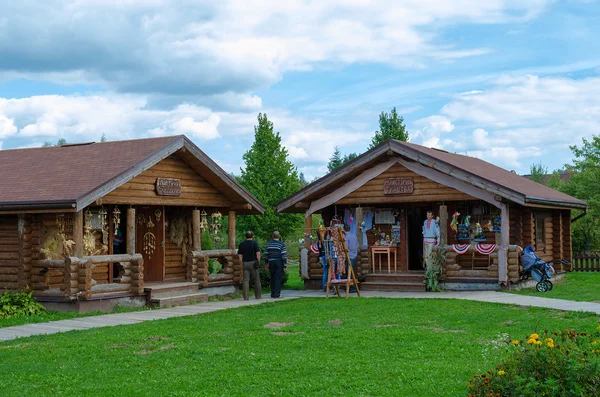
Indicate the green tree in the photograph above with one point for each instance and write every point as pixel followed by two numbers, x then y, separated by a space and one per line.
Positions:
pixel 584 184
pixel 335 161
pixel 103 138
pixel 61 141
pixel 303 180
pixel 538 173
pixel 270 177
pixel 348 157
pixel 391 126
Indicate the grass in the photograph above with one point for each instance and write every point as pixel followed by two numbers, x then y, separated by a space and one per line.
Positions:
pixel 355 347
pixel 54 316
pixel 576 286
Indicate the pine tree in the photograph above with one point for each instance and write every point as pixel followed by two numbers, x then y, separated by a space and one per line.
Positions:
pixel 335 160
pixel 391 126
pixel 270 177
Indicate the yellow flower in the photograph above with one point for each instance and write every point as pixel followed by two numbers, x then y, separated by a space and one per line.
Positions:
pixel 501 372
pixel 553 361
pixel 514 342
pixel 538 342
pixel 593 342
pixel 550 345
pixel 534 336
pixel 531 341
pixel 549 340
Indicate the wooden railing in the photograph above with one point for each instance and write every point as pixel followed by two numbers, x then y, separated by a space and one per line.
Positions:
pixel 487 265
pixel 78 281
pixel 586 262
pixel 197 268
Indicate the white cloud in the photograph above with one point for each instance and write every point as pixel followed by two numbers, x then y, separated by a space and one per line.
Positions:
pixel 7 127
pixel 200 47
pixel 518 119
pixel 80 118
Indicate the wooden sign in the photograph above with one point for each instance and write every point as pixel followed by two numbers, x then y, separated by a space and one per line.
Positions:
pixel 168 187
pixel 398 186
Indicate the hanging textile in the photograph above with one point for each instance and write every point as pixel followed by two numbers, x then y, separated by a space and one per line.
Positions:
pixel 461 248
pixel 339 248
pixel 349 213
pixel 485 249
pixel 368 220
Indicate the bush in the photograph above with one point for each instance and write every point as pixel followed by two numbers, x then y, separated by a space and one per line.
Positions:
pixel 265 277
pixel 433 273
pixel 552 364
pixel 19 304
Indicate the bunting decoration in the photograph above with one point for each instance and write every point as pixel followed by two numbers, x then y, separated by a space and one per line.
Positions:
pixel 485 249
pixel 461 248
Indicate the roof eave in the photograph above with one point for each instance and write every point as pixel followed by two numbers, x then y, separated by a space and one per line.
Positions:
pixel 67 205
pixel 556 203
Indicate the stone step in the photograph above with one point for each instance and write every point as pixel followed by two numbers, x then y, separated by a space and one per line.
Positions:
pixel 395 278
pixel 386 286
pixel 180 300
pixel 170 290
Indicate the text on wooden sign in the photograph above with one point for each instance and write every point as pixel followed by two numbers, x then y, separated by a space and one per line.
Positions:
pixel 398 186
pixel 168 187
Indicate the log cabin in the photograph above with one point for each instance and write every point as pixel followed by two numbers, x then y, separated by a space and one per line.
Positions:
pixel 117 222
pixel 385 193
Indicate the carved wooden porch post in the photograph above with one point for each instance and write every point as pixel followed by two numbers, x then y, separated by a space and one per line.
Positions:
pixel 131 231
pixel 443 225
pixel 359 220
pixel 78 233
pixel 231 230
pixel 503 250
pixel 196 231
pixel 307 229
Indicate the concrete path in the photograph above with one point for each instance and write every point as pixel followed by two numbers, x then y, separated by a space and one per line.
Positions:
pixel 109 320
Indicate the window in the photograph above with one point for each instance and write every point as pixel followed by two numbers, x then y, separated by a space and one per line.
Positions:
pixel 540 231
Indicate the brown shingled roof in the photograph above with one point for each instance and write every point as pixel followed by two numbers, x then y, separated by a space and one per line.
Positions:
pixel 495 174
pixel 73 176
pixel 65 173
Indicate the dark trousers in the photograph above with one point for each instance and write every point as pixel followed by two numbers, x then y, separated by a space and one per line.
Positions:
pixel 250 272
pixel 276 270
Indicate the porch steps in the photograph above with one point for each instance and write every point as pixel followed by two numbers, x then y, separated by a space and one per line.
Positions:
pixel 409 281
pixel 174 294
pixel 180 300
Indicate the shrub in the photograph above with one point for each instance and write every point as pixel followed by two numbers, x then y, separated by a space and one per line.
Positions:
pixel 433 273
pixel 265 277
pixel 557 364
pixel 19 304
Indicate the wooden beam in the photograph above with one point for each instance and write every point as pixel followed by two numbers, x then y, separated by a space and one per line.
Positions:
pixel 302 204
pixel 78 233
pixel 196 231
pixel 231 230
pixel 504 245
pixel 241 207
pixel 443 225
pixel 131 231
pixel 307 229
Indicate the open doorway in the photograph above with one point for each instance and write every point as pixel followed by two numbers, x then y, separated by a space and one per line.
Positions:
pixel 417 213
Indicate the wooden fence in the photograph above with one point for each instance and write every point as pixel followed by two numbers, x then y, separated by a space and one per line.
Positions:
pixel 586 262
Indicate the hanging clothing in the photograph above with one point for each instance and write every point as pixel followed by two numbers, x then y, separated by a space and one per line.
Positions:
pixel 368 220
pixel 349 213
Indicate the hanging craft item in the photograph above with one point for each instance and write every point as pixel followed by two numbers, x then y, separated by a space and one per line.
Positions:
pixel 454 222
pixel 141 218
pixel 116 219
pixel 497 224
pixel 461 248
pixel 215 225
pixel 103 224
pixel 478 233
pixel 485 249
pixel 88 220
pixel 158 214
pixel 60 222
pixel 149 244
pixel 203 220
pixel 150 224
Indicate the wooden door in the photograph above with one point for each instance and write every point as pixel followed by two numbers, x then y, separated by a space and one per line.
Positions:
pixel 150 241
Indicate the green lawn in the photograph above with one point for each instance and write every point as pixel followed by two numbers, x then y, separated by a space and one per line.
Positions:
pixel 349 347
pixel 576 286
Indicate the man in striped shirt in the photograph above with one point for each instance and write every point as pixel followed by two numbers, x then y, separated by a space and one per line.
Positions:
pixel 276 257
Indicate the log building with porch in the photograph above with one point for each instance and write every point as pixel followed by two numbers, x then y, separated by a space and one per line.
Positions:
pixel 116 222
pixel 386 192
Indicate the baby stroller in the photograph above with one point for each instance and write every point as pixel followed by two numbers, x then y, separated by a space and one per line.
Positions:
pixel 536 268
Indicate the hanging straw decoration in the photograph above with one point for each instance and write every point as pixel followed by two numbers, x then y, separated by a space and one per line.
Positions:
pixel 116 219
pixel 203 220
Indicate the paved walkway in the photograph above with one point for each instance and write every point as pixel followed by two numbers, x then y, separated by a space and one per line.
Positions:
pixel 108 320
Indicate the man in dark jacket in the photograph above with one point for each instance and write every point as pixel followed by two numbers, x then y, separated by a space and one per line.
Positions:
pixel 276 255
pixel 250 253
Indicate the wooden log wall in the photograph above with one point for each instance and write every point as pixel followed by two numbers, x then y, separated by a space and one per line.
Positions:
pixel 425 190
pixel 460 266
pixel 175 269
pixel 9 252
pixel 566 235
pixel 195 190
pixel 315 269
pixel 528 232
pixel 515 225
pixel 230 274
pixel 25 231
pixel 557 235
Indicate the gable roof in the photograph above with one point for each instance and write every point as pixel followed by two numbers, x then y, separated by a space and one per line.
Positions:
pixel 74 176
pixel 472 170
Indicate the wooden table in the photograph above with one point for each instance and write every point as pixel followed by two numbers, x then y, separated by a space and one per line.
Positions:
pixel 383 250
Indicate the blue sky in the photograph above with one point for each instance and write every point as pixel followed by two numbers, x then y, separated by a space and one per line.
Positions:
pixel 512 82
